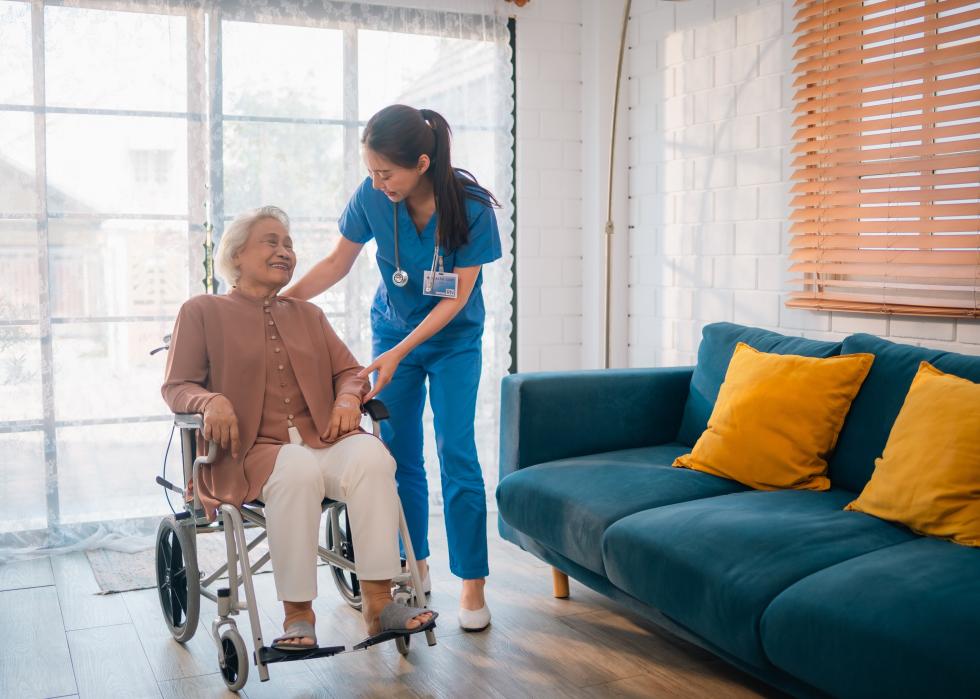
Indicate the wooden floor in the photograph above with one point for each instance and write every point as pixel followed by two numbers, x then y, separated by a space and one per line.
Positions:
pixel 59 639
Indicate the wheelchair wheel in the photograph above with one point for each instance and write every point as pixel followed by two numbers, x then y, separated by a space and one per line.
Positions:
pixel 402 596
pixel 234 665
pixel 345 580
pixel 402 643
pixel 178 580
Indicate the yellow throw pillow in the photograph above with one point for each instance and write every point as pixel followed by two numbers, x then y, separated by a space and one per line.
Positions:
pixel 928 477
pixel 777 418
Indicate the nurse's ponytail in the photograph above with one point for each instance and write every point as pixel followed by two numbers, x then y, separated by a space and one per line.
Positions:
pixel 402 134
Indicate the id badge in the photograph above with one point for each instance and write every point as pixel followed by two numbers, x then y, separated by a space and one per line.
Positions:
pixel 443 284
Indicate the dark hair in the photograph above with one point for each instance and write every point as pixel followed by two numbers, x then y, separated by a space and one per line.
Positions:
pixel 402 134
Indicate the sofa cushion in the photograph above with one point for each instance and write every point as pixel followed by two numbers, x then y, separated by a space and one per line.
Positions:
pixel 777 418
pixel 568 504
pixel 714 565
pixel 929 475
pixel 873 412
pixel 898 622
pixel 715 352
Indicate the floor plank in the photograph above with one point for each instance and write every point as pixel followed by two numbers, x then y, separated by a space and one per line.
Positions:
pixel 673 667
pixel 81 605
pixel 34 572
pixel 201 687
pixel 109 662
pixel 168 659
pixel 34 657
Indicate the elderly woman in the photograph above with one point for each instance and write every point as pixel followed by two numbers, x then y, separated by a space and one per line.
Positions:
pixel 280 394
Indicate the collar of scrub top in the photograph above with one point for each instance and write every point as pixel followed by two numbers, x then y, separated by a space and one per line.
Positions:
pixel 400 276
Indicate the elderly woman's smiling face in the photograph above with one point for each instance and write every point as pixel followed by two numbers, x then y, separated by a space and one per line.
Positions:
pixel 267 258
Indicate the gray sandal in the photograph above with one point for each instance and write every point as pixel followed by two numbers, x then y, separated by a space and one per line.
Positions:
pixel 298 629
pixel 394 620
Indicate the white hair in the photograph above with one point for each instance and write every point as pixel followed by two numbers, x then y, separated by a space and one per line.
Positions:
pixel 235 237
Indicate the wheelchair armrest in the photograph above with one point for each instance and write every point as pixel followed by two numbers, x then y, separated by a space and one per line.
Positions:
pixel 376 410
pixel 189 421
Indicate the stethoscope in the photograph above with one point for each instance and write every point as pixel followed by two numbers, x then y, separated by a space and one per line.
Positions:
pixel 400 277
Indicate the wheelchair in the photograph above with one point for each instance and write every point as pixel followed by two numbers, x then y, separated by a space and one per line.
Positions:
pixel 181 584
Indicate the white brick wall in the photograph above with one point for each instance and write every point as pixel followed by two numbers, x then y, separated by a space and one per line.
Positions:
pixel 710 132
pixel 549 185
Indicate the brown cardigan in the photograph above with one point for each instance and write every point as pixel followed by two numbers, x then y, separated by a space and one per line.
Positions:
pixel 218 347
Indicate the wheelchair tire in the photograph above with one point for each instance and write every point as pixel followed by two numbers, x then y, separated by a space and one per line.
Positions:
pixel 234 668
pixel 178 579
pixel 345 580
pixel 402 643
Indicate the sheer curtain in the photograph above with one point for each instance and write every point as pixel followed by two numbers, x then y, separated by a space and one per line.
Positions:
pixel 124 128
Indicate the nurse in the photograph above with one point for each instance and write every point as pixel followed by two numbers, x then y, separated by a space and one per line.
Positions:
pixel 435 228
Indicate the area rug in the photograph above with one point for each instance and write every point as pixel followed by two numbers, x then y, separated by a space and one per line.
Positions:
pixel 116 571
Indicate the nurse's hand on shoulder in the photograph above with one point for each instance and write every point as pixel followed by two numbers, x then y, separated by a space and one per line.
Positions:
pixel 221 424
pixel 345 416
pixel 385 365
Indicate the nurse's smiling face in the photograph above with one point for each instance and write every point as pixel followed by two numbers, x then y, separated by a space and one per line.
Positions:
pixel 397 182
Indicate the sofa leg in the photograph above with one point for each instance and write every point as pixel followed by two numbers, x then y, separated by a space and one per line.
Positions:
pixel 560 583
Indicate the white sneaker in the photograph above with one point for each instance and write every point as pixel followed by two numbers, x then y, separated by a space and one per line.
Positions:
pixel 474 619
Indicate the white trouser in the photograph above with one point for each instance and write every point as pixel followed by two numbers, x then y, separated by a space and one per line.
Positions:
pixel 358 471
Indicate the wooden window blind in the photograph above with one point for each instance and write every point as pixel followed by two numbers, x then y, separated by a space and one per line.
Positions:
pixel 886 205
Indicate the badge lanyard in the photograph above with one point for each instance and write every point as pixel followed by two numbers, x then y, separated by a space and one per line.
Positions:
pixel 436 281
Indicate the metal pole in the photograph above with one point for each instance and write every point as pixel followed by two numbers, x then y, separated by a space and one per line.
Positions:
pixel 609 228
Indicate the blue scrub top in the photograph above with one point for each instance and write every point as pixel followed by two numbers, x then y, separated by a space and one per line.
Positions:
pixel 397 311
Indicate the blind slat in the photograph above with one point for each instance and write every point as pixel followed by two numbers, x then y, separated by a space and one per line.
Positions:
pixel 922 271
pixel 924 196
pixel 855 155
pixel 876 241
pixel 959 258
pixel 820 303
pixel 927 132
pixel 962 289
pixel 854 184
pixel 832 213
pixel 877 169
pixel 853 226
pixel 928 115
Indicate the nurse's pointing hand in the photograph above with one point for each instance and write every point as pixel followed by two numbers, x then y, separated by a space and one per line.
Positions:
pixel 385 365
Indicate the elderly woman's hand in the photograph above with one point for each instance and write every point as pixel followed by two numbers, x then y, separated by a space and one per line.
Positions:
pixel 221 424
pixel 345 416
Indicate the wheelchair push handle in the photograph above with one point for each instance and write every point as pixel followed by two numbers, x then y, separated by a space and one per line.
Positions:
pixel 376 410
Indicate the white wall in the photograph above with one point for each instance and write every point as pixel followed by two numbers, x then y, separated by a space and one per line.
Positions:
pixel 709 123
pixel 549 184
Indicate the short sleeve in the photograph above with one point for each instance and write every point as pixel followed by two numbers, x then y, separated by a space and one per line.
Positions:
pixel 484 244
pixel 354 224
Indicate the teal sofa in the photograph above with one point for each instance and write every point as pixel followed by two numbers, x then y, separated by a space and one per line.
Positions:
pixel 786 585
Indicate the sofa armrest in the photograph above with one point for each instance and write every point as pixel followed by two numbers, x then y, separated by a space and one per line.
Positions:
pixel 555 415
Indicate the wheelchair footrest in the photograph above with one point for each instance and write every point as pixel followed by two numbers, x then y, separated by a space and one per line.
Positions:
pixel 386 636
pixel 274 655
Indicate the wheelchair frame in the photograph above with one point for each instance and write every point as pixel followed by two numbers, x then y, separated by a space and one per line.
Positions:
pixel 177 538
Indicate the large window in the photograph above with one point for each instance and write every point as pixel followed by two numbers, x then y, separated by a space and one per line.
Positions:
pixel 887 206
pixel 124 127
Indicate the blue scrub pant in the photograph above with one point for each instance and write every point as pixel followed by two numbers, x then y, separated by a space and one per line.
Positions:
pixel 453 370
